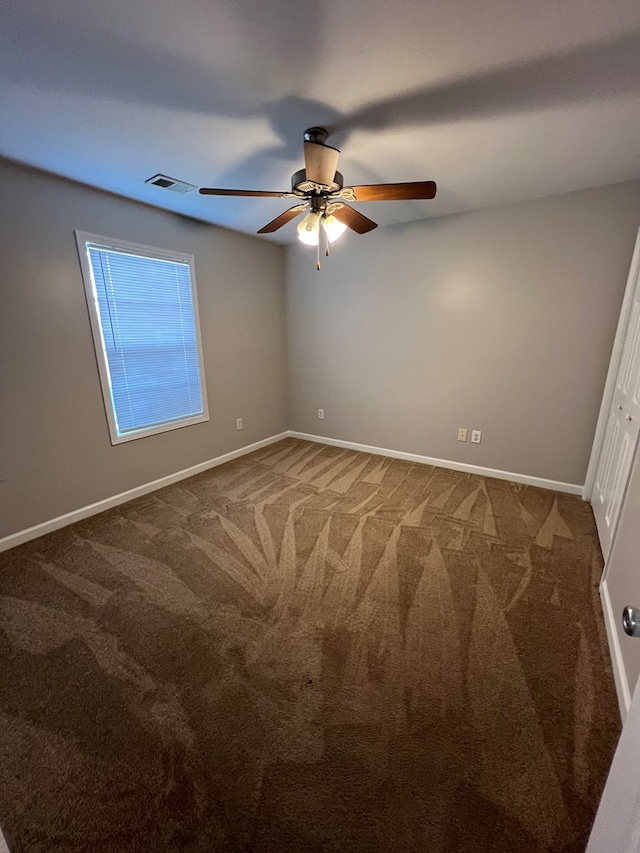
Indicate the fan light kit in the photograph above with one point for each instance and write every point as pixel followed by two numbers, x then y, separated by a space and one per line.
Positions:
pixel 309 228
pixel 321 188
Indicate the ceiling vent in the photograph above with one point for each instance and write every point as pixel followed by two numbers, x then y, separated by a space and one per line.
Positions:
pixel 172 184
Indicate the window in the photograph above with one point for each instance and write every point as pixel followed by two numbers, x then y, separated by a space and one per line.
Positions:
pixel 144 317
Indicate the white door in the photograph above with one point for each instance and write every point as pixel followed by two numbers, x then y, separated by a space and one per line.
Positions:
pixel 622 424
pixel 617 825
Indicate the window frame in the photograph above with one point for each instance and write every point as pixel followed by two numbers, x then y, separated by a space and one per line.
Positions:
pixel 83 238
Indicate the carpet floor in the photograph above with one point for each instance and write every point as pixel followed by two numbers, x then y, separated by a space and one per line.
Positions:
pixel 308 649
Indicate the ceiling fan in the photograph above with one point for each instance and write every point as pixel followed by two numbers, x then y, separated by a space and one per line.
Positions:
pixel 320 187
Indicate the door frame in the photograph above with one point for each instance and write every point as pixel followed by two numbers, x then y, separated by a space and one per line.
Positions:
pixel 612 374
pixel 623 691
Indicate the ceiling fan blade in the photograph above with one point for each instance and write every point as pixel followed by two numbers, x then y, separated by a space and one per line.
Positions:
pixel 281 220
pixel 354 219
pixel 254 193
pixel 320 163
pixel 395 192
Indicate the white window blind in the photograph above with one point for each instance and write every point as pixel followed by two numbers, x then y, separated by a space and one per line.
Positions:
pixel 144 317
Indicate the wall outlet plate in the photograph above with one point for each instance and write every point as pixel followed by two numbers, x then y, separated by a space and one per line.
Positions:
pixel 476 436
pixel 238 423
pixel 321 414
pixel 462 434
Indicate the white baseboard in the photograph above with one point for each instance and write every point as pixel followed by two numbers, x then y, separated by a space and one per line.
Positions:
pixel 100 506
pixel 22 536
pixel 619 673
pixel 526 479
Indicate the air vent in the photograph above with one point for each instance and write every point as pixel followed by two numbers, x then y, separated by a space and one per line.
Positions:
pixel 172 184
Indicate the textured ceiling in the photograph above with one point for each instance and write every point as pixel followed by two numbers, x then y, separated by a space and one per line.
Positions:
pixel 496 101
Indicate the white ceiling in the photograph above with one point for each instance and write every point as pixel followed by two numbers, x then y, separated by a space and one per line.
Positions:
pixel 497 101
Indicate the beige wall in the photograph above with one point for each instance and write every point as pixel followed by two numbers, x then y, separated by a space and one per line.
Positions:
pixel 500 319
pixel 55 453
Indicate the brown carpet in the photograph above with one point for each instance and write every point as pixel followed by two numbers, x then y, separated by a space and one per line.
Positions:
pixel 308 649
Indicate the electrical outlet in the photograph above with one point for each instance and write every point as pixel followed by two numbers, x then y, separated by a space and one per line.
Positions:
pixel 238 423
pixel 321 414
pixel 462 435
pixel 476 436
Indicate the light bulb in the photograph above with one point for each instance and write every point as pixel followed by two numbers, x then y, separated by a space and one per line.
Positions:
pixel 333 227
pixel 309 229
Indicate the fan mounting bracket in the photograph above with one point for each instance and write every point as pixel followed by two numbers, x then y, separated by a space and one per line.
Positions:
pixel 345 193
pixel 319 135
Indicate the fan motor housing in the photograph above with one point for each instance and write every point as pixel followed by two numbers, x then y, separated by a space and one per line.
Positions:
pixel 300 184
